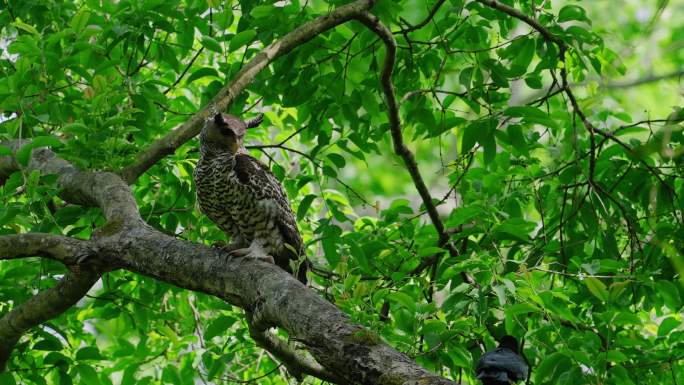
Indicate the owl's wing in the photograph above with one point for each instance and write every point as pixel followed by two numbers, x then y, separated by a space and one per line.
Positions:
pixel 266 187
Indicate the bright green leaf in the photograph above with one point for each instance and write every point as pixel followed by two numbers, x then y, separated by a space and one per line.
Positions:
pixel 211 44
pixel 597 288
pixel 242 39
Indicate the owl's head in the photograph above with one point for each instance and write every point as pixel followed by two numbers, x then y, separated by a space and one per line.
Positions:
pixel 225 133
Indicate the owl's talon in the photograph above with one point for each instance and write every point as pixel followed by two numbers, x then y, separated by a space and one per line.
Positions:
pixel 227 248
pixel 250 252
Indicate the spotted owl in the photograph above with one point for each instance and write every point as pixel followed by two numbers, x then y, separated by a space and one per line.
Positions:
pixel 243 198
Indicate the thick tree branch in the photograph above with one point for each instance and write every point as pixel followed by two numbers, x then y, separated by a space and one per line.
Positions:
pixel 338 345
pixel 63 249
pixel 46 305
pixel 174 139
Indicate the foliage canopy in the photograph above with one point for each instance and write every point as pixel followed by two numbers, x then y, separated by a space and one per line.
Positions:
pixel 565 209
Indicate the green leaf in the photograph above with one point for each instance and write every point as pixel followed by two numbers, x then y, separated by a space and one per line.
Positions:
pixel 46 141
pixel 88 353
pixel 262 11
pixel 337 159
pixel 360 256
pixel 219 326
pixel 57 359
pixel 668 325
pixel 329 242
pixel 616 356
pixel 525 54
pixel 88 375
pixel 64 378
pixel 460 356
pixel 200 73
pixel 514 228
pixel 404 299
pixel 668 291
pixel 26 27
pixel 329 171
pixel 462 215
pixel 572 12
pixel 597 288
pixel 51 344
pixel 211 44
pixel 4 150
pixel 430 250
pixel 80 20
pixel 551 367
pixel 531 115
pixel 304 206
pixel 621 375
pixel 7 378
pixel 168 54
pixel 534 82
pixel 471 135
pixel 242 39
pixel 171 375
pixel 521 308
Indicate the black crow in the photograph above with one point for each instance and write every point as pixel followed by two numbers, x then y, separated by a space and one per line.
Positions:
pixel 503 365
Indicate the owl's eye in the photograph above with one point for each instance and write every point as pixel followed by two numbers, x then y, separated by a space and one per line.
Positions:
pixel 225 130
pixel 218 119
pixel 222 125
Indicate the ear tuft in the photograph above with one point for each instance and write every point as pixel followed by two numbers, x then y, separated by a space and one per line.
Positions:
pixel 218 119
pixel 256 121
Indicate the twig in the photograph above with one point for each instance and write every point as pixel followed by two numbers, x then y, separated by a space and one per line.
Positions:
pixel 423 23
pixel 185 71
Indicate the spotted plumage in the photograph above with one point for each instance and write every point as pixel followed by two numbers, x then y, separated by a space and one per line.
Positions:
pixel 241 195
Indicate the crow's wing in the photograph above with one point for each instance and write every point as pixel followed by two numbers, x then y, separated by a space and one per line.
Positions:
pixel 499 361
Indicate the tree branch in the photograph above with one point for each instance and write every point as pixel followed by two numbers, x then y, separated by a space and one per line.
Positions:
pixel 174 139
pixel 337 344
pixel 524 18
pixel 645 80
pixel 67 250
pixel 375 25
